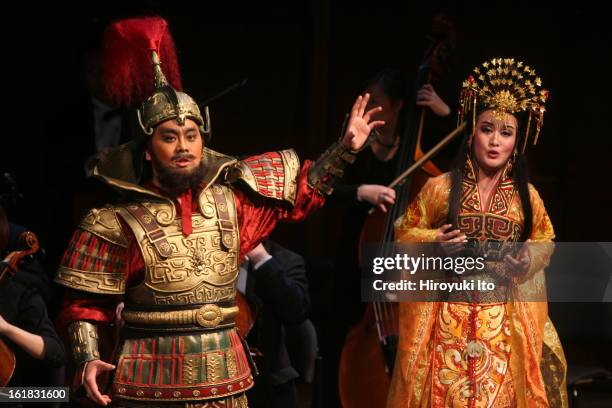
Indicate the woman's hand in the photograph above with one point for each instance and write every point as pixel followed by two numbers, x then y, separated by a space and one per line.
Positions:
pixel 520 264
pixel 377 195
pixel 450 241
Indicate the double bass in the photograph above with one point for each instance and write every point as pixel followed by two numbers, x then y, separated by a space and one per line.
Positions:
pixel 368 355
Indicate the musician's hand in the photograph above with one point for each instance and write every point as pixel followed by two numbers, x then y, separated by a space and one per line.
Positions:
pixel 360 125
pixel 377 195
pixel 427 97
pixel 4 325
pixel 118 317
pixel 93 369
pixel 450 241
pixel 519 264
pixel 257 254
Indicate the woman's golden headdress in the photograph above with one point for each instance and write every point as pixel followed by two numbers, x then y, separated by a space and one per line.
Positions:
pixel 508 87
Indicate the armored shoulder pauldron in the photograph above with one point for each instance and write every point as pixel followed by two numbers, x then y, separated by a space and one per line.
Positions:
pixel 272 175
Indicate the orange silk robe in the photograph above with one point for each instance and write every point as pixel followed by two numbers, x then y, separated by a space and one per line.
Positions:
pixel 522 363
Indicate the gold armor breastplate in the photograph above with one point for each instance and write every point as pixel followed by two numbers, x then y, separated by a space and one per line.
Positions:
pixel 183 273
pixel 181 315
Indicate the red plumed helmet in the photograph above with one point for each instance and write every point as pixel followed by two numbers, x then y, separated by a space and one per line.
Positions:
pixel 128 70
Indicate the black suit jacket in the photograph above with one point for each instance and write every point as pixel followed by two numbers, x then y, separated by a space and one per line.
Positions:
pixel 279 290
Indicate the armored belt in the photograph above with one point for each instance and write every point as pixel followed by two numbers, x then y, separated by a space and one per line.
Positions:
pixel 209 316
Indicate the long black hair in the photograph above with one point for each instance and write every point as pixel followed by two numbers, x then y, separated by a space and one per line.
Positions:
pixel 520 176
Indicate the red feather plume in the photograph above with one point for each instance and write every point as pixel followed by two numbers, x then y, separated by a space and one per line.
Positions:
pixel 128 69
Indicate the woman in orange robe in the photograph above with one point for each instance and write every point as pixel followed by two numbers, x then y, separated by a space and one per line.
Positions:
pixel 484 352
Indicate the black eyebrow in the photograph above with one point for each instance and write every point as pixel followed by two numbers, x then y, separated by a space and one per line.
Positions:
pixel 165 131
pixel 505 125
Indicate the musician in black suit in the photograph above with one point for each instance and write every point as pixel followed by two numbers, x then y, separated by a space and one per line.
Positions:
pixel 274 282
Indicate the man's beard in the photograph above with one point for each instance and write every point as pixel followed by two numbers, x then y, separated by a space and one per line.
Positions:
pixel 174 182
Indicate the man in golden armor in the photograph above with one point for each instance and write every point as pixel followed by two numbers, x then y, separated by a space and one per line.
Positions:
pixel 170 247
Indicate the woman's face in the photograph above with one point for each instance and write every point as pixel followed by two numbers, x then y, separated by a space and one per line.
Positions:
pixel 390 108
pixel 494 140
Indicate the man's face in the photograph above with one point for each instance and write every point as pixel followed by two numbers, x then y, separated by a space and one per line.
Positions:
pixel 177 148
pixel 176 153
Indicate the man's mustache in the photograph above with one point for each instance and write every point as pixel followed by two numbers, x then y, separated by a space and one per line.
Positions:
pixel 182 156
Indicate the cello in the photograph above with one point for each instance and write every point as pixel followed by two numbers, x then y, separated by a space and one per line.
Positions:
pixel 368 354
pixel 10 265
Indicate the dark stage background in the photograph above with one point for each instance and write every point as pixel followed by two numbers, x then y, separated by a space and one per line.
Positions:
pixel 305 62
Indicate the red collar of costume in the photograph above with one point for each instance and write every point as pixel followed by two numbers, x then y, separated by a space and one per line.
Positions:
pixel 184 201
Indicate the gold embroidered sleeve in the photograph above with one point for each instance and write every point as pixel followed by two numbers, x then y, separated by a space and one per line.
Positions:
pixel 542 227
pixel 425 213
pixel 542 235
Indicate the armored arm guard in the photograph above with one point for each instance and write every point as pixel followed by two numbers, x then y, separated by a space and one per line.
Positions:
pixel 83 341
pixel 329 167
